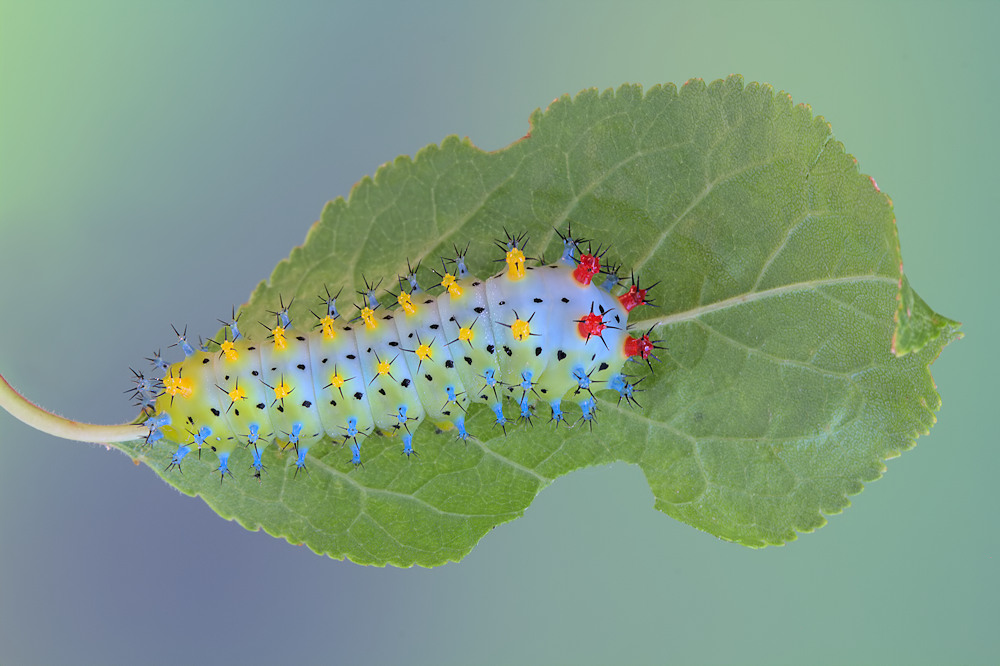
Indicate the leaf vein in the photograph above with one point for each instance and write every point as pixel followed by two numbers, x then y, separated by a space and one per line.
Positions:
pixel 751 297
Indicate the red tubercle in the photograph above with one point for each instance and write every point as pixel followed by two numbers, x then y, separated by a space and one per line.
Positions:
pixel 591 324
pixel 632 298
pixel 589 266
pixel 641 347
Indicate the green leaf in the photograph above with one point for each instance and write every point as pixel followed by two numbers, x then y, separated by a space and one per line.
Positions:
pixel 780 295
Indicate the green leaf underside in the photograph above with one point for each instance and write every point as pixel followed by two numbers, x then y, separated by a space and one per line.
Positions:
pixel 778 394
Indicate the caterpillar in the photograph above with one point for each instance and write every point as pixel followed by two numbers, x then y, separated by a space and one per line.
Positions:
pixel 531 333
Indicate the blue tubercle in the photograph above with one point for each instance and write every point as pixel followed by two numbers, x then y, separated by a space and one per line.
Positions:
pixel 450 392
pixel 569 251
pixel 159 364
pixel 182 451
pixel 412 279
pixel 626 390
pixel 588 406
pixel 293 437
pixel 356 453
pixel 460 426
pixel 223 463
pixel 498 410
pixel 258 463
pixel 557 413
pixel 331 307
pixel 408 444
pixel 581 378
pixel 300 462
pixel 525 408
pixel 157 421
pixel 144 386
pixel 282 314
pixel 154 423
pixel 254 434
pixel 183 343
pixel 203 433
pixel 526 380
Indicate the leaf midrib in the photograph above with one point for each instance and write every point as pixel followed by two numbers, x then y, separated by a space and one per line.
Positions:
pixel 752 297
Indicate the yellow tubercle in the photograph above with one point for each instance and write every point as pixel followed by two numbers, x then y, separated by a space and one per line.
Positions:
pixel 465 335
pixel 520 329
pixel 237 394
pixel 423 352
pixel 406 303
pixel 336 381
pixel 329 332
pixel 383 367
pixel 282 390
pixel 229 351
pixel 278 333
pixel 449 283
pixel 174 386
pixel 515 264
pixel 368 315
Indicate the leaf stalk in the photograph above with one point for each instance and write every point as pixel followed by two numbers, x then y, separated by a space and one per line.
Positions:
pixel 40 419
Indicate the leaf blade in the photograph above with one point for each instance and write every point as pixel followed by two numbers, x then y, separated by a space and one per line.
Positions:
pixel 780 296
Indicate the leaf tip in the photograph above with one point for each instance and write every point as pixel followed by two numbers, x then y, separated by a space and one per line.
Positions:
pixel 917 325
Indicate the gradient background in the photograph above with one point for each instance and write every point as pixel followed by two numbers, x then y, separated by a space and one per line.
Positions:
pixel 156 162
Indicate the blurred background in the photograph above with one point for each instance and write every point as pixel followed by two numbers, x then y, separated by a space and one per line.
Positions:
pixel 158 159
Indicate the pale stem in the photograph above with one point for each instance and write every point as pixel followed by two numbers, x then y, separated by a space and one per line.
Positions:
pixel 39 419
